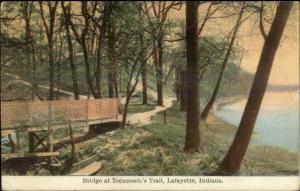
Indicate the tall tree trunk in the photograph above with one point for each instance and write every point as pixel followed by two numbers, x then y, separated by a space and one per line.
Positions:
pixel 160 72
pixel 144 82
pixel 58 67
pixel 57 80
pixel 27 9
pixel 233 159
pixel 192 138
pixel 111 53
pixel 31 49
pixel 224 64
pixel 98 69
pixel 89 79
pixel 144 63
pixel 51 71
pixel 71 54
pixel 120 81
pixel 177 84
pixel 110 85
pixel 102 29
pixel 50 33
pixel 155 61
pixel 183 90
pixel 116 85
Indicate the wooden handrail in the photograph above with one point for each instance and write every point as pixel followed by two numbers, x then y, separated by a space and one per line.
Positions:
pixel 35 113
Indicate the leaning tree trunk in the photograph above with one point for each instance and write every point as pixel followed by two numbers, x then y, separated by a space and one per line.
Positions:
pixel 192 138
pixel 233 159
pixel 224 64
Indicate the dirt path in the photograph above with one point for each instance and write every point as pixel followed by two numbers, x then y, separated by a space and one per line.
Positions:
pixel 19 79
pixel 145 117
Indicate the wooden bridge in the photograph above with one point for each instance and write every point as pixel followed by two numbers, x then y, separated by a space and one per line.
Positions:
pixel 39 120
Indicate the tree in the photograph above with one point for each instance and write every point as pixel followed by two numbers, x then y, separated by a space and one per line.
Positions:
pixel 218 84
pixel 49 27
pixel 183 97
pixel 233 159
pixel 160 10
pixel 81 38
pixel 134 73
pixel 112 85
pixel 101 29
pixel 26 10
pixel 131 52
pixel 181 89
pixel 101 22
pixel 144 64
pixel 192 138
pixel 67 16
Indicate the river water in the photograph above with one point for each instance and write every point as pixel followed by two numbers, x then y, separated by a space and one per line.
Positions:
pixel 277 123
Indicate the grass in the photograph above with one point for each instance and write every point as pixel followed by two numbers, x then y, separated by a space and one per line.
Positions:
pixel 157 149
pixel 136 105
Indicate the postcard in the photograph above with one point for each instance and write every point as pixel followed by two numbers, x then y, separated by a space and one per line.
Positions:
pixel 150 95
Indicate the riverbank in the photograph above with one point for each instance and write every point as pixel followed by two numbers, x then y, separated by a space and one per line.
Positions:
pixel 261 159
pixel 222 101
pixel 277 123
pixel 157 149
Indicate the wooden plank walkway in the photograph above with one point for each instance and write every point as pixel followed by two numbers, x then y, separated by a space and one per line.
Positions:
pixel 91 169
pixel 40 154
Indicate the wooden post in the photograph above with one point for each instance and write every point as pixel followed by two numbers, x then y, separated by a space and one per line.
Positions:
pixel 17 140
pixel 72 141
pixel 117 107
pixel 87 112
pixel 50 149
pixel 31 142
pixel 165 116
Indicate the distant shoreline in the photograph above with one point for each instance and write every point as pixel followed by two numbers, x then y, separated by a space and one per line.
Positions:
pixel 223 102
pixel 220 102
pixel 279 88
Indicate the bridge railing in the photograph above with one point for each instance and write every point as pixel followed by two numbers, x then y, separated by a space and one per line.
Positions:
pixel 41 113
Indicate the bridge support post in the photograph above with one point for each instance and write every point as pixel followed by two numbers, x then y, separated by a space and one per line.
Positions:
pixel 31 141
pixel 87 112
pixel 49 143
pixel 18 139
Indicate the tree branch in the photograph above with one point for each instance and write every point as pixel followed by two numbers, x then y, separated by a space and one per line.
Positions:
pixel 261 25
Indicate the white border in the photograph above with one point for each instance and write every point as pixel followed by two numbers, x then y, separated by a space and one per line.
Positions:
pixel 281 183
